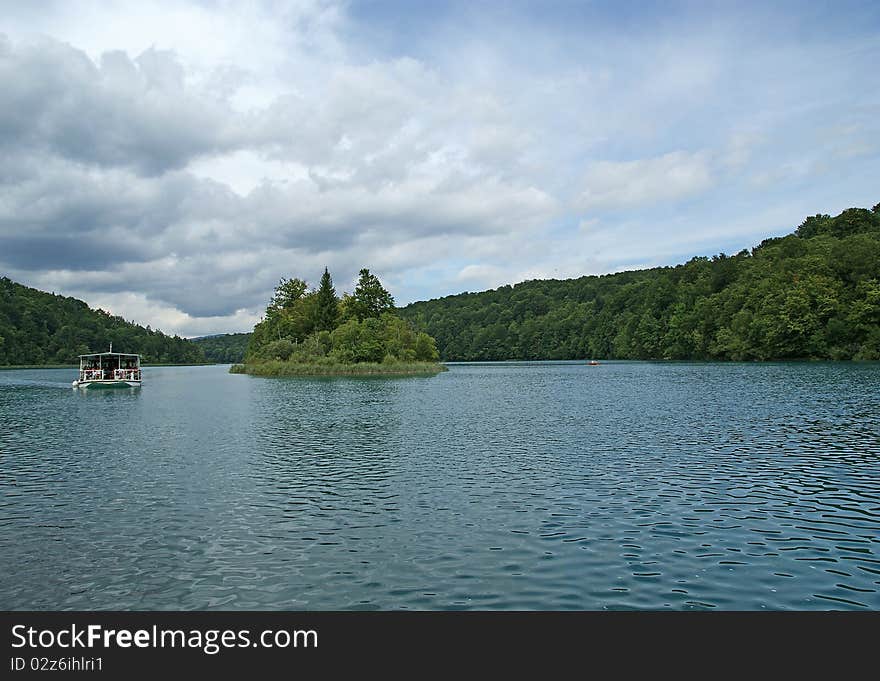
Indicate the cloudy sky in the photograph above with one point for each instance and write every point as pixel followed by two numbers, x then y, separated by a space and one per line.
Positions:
pixel 170 161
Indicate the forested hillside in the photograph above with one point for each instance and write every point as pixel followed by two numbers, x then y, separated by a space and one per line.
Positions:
pixel 43 328
pixel 227 348
pixel 814 294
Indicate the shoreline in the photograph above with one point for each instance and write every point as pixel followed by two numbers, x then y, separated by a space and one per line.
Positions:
pixel 278 369
pixel 380 369
pixel 76 366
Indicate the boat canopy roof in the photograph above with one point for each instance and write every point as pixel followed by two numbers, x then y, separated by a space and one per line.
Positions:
pixel 111 354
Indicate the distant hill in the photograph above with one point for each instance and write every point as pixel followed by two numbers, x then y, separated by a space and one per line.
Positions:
pixel 814 294
pixel 44 328
pixel 224 348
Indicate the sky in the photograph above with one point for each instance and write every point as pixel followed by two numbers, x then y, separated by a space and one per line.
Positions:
pixel 170 161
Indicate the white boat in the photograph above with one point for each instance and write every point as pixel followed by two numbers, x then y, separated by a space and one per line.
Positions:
pixel 109 370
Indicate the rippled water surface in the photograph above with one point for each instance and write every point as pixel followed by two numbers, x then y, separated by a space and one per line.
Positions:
pixel 521 485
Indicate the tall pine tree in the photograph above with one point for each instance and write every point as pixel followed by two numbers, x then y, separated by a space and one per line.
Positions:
pixel 370 298
pixel 327 309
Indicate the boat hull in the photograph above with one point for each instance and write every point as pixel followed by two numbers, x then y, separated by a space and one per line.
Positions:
pixel 106 384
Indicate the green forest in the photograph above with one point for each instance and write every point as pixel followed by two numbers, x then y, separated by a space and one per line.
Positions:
pixel 317 329
pixel 814 294
pixel 227 348
pixel 44 328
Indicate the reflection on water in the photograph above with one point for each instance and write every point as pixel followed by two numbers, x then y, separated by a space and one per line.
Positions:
pixel 529 486
pixel 107 394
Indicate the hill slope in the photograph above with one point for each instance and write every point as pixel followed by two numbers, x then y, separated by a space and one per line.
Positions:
pixel 44 328
pixel 812 294
pixel 227 348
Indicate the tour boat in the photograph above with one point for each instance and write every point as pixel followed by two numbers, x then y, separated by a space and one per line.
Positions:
pixel 109 370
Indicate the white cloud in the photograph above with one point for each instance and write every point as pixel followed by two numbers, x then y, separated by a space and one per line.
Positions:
pixel 482 274
pixel 621 184
pixel 138 308
pixel 245 170
pixel 588 225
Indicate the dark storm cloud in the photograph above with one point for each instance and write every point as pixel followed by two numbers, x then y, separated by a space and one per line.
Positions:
pixel 49 198
pixel 65 252
pixel 124 112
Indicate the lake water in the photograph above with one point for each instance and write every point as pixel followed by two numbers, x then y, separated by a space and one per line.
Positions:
pixel 513 485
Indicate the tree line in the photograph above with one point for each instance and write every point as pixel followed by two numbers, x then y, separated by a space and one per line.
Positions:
pixel 813 294
pixel 315 325
pixel 44 328
pixel 227 348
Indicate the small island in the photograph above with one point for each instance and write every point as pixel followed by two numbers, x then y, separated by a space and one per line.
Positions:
pixel 315 333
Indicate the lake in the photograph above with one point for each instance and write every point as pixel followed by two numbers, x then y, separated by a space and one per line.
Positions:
pixel 630 485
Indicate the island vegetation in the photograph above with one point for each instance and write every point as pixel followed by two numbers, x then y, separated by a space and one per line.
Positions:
pixel 814 294
pixel 39 328
pixel 314 332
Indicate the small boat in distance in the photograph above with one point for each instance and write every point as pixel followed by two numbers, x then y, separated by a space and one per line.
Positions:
pixel 593 363
pixel 109 370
